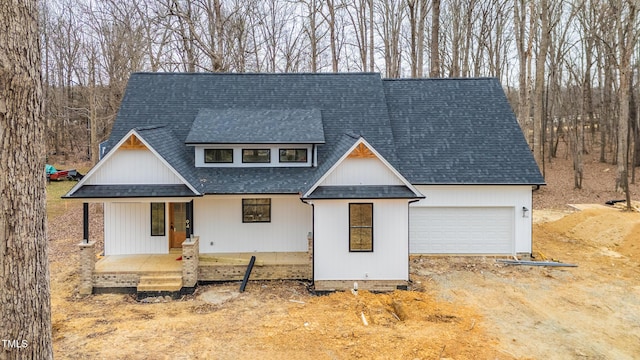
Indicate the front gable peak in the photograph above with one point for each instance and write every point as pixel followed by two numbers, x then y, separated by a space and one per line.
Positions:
pixel 133 143
pixel 362 166
pixel 361 151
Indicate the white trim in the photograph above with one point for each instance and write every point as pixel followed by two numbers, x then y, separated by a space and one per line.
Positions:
pixel 361 140
pixel 113 151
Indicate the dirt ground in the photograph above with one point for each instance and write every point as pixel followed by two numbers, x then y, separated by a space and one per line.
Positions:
pixel 459 307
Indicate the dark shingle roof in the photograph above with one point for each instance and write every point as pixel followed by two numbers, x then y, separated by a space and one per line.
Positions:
pixel 458 131
pixel 219 126
pixel 131 191
pixel 434 131
pixel 348 103
pixel 362 192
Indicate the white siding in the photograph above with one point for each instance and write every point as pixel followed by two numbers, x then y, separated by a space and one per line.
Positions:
pixel 357 171
pixel 237 155
pixel 218 221
pixel 389 259
pixel 127 230
pixel 133 167
pixel 464 197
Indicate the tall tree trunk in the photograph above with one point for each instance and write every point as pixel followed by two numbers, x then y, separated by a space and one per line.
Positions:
pixel 435 37
pixel 330 18
pixel 25 309
pixel 538 109
pixel 626 40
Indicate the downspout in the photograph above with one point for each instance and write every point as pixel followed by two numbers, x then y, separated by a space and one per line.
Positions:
pixel 408 239
pixel 313 240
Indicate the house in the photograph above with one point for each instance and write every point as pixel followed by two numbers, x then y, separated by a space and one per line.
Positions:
pixel 335 178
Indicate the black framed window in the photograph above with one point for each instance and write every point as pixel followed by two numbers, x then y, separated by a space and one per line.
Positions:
pixel 361 227
pixel 256 210
pixel 293 155
pixel 157 219
pixel 256 155
pixel 218 155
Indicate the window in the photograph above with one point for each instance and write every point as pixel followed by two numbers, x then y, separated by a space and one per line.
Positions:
pixel 293 155
pixel 256 210
pixel 256 155
pixel 361 227
pixel 157 219
pixel 218 155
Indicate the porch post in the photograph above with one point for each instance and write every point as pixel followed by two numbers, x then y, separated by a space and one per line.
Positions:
pixel 87 266
pixel 85 223
pixel 189 226
pixel 190 261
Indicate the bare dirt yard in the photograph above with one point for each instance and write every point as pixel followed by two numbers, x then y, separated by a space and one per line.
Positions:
pixel 458 308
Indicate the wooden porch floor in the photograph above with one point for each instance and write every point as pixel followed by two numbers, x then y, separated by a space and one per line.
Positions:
pixel 143 263
pixel 155 263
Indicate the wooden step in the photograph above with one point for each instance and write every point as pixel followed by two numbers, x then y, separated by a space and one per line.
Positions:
pixel 160 283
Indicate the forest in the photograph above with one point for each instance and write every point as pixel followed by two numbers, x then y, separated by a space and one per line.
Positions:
pixel 570 68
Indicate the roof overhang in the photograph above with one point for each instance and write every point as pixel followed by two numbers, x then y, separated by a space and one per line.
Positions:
pixel 363 192
pixel 131 191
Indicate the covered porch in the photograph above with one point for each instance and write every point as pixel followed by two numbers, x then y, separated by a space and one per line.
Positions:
pixel 184 269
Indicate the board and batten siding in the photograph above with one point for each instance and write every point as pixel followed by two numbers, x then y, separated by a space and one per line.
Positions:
pixel 389 259
pixel 355 171
pixel 127 230
pixel 218 222
pixel 502 201
pixel 133 167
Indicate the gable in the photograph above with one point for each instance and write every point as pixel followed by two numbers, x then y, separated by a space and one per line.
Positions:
pixel 361 171
pixel 133 162
pixel 133 165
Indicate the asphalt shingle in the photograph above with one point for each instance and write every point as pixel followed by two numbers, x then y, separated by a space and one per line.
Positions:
pixel 256 126
pixel 434 131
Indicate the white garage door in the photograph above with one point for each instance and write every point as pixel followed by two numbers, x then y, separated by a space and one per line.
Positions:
pixel 461 230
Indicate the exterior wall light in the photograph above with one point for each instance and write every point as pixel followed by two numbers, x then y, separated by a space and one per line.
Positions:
pixel 525 211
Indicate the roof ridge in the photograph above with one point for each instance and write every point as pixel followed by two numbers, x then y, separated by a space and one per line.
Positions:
pixel 257 73
pixel 442 79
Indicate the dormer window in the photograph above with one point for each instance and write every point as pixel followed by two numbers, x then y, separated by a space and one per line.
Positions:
pixel 256 155
pixel 218 156
pixel 293 155
pixel 254 137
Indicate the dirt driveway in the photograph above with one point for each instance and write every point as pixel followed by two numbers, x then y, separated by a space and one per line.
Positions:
pixel 461 307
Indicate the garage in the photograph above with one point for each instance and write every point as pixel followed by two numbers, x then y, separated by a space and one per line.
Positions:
pixel 461 230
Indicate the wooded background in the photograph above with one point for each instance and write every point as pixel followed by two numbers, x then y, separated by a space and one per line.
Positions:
pixel 569 67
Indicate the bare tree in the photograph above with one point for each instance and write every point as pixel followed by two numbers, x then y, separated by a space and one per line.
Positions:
pixel 331 17
pixel 434 70
pixel 391 14
pixel 25 309
pixel 417 13
pixel 627 36
pixel 538 108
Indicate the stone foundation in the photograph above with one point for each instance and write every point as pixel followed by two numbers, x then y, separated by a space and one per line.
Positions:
pixel 115 280
pixel 259 272
pixel 371 285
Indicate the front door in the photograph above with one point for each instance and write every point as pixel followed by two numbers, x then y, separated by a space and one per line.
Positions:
pixel 177 224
